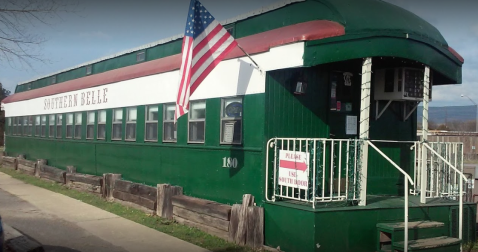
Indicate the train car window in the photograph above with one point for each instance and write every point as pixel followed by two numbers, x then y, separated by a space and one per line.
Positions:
pixel 117 124
pixel 197 122
pixel 90 125
pixel 51 127
pixel 30 125
pixel 78 123
pixel 140 56
pixel 37 125
pixel 59 124
pixel 101 124
pixel 151 123
pixel 169 127
pixel 131 117
pixel 25 126
pixel 69 125
pixel 43 126
pixel 88 69
pixel 231 120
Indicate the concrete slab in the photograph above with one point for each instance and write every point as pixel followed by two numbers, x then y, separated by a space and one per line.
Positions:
pixel 92 229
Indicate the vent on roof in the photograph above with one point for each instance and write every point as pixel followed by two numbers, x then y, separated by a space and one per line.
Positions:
pixel 140 56
pixel 88 69
pixel 53 79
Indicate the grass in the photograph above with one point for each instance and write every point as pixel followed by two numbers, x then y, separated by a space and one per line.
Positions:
pixel 192 235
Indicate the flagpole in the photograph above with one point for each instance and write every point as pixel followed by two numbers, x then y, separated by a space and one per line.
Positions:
pixel 260 69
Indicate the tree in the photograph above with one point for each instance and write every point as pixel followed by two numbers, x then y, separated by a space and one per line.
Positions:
pixel 3 94
pixel 18 43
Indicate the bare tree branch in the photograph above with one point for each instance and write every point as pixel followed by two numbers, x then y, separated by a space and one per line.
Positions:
pixel 19 44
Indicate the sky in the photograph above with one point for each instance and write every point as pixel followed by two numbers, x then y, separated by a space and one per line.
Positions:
pixel 95 29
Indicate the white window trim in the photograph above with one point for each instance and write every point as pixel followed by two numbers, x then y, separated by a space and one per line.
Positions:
pixel 50 133
pixel 146 110
pixel 197 120
pixel 98 125
pixel 43 125
pixel 71 125
pixel 56 126
pixel 130 122
pixel 222 118
pixel 113 123
pixel 89 124
pixel 75 123
pixel 175 140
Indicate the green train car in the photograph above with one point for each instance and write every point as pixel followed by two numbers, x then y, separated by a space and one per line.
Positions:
pixel 316 134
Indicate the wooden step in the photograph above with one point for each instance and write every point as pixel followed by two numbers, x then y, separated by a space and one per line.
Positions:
pixel 414 245
pixel 395 226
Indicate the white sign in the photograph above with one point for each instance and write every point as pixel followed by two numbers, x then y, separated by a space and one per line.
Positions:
pixel 351 125
pixel 294 169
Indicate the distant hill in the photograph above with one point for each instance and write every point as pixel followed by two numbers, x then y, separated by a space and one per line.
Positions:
pixel 447 114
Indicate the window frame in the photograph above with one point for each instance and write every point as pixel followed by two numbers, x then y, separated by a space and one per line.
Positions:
pixel 43 126
pixel 114 122
pixel 128 121
pixel 88 124
pixel 146 122
pixel 51 133
pixel 72 115
pixel 89 69
pixel 195 121
pixel 37 127
pixel 75 124
pixel 101 123
pixel 169 121
pixel 59 119
pixel 141 56
pixel 223 118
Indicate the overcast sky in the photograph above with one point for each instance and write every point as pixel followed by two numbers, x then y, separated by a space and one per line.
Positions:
pixel 105 27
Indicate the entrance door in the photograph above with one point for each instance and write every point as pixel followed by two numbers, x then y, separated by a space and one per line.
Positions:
pixel 344 105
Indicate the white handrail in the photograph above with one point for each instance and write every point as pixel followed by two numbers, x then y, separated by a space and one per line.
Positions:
pixel 267 168
pixel 393 163
pixel 405 177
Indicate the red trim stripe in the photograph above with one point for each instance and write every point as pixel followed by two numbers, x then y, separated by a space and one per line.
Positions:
pixel 257 43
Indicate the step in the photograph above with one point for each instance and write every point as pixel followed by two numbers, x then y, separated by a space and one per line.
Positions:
pixel 429 243
pixel 396 226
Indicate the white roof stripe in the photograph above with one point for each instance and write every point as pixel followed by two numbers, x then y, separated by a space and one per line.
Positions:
pixel 179 36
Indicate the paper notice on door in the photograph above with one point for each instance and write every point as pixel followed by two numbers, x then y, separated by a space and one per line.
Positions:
pixel 351 125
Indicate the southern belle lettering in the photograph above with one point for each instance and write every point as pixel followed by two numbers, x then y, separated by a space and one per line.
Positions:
pixel 74 100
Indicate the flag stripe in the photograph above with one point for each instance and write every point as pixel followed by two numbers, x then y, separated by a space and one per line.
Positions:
pixel 187 42
pixel 211 66
pixel 214 52
pixel 205 45
pixel 185 80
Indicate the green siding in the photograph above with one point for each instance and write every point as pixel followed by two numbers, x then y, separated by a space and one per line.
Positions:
pixel 289 115
pixel 296 228
pixel 196 167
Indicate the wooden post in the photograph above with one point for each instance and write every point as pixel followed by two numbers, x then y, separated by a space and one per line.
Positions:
pixel 40 163
pixel 255 227
pixel 70 169
pixel 109 185
pixel 164 205
pixel 247 201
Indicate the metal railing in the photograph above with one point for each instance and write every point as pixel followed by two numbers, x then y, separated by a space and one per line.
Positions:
pixel 406 179
pixel 444 165
pixel 313 170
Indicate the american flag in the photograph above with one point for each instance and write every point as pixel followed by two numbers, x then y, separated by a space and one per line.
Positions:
pixel 205 44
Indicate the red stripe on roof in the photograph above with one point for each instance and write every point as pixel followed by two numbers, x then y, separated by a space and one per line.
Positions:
pixel 257 43
pixel 456 54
